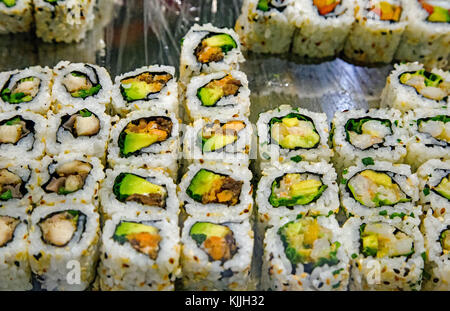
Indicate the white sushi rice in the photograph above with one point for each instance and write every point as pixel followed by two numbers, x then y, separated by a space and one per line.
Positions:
pixel 30 146
pixel 370 40
pixel 202 274
pixel 422 146
pixel 392 149
pixel 272 152
pixel 166 99
pixel 41 102
pixel 430 175
pixel 277 271
pixel 317 36
pixel 62 141
pixel 386 273
pixel 189 66
pixel 96 74
pixel 237 153
pixel 124 268
pixel 238 104
pixel 43 170
pixel 65 21
pixel 111 205
pixel 437 264
pixel 163 154
pixel 242 210
pixel 56 268
pixel 404 97
pixel 15 272
pixel 18 18
pixel 266 32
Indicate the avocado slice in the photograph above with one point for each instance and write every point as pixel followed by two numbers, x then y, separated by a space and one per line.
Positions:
pixel 444 187
pixel 445 240
pixel 209 96
pixel 200 231
pixel 143 238
pixel 294 141
pixel 9 3
pixel 439 15
pixel 126 228
pixel 135 90
pixel 370 245
pixel 127 184
pixel 263 5
pixel 217 142
pixel 136 141
pixel 201 184
pixel 301 193
pixel 222 40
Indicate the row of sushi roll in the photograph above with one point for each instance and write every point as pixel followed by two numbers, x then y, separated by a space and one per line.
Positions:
pixel 363 31
pixel 216 190
pixel 53 20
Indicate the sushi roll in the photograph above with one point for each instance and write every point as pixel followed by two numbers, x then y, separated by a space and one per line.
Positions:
pixel 217 255
pixel 221 139
pixel 146 88
pixel 376 33
pixel 289 134
pixel 410 86
pixel 217 190
pixel 434 178
pixel 15 188
pixel 380 188
pixel 322 27
pixel 16 16
pixel 375 134
pixel 146 139
pixel 429 135
pixel 264 26
pixel 436 232
pixel 78 84
pixel 15 272
pixel 289 189
pixel 63 246
pixel 139 253
pixel 219 93
pixel 144 191
pixel 67 178
pixel 63 20
pixel 22 135
pixel 385 254
pixel 27 89
pixel 207 49
pixel 78 130
pixel 426 38
pixel 305 253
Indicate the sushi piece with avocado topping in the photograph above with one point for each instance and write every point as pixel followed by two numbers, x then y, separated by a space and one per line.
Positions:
pixel 217 240
pixel 60 228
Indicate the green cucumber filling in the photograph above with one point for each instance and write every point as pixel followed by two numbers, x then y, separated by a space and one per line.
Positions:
pixel 131 187
pixel 296 189
pixel 14 129
pixel 294 131
pixel 142 133
pixel 141 86
pixel 144 238
pixel 68 177
pixel 443 188
pixel 381 240
pixel 390 11
pixel 216 240
pixel 214 47
pixel 82 85
pixel 375 189
pixel 82 123
pixel 214 91
pixel 427 84
pixel 309 243
pixel 59 228
pixel 22 91
pixel 208 187
pixel 7 227
pixel 367 132
pixel 216 135
pixel 444 239
pixel 11 186
pixel 436 14
pixel 437 127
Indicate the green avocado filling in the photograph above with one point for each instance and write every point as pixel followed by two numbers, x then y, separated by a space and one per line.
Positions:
pixel 444 239
pixel 263 5
pixel 214 47
pixel 141 86
pixel 296 189
pixel 376 189
pixel 306 241
pixel 443 188
pixel 382 240
pixel 9 3
pixel 215 239
pixel 216 136
pixel 436 14
pixel 131 187
pixel 294 131
pixel 215 90
pixel 142 237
